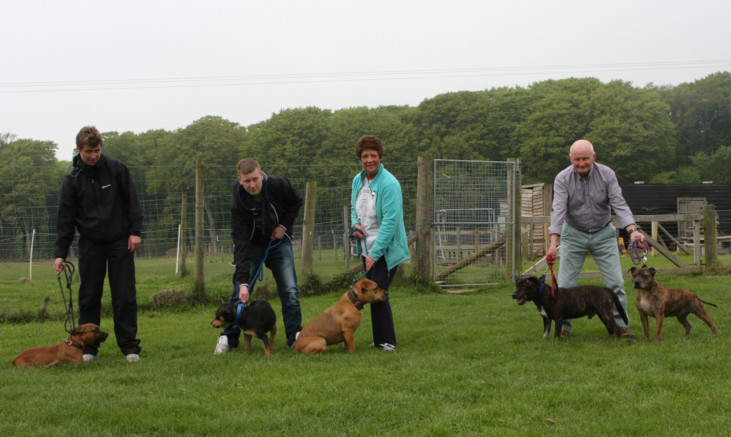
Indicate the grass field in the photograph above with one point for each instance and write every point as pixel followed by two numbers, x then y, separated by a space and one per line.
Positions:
pixel 468 364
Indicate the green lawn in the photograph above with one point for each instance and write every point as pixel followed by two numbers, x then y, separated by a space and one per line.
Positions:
pixel 468 364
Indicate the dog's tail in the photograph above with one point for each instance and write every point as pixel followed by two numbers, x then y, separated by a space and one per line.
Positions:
pixel 707 303
pixel 620 308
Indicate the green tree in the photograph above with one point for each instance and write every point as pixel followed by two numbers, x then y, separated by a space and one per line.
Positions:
pixel 632 131
pixel 562 112
pixel 30 182
pixel 701 112
pixel 715 166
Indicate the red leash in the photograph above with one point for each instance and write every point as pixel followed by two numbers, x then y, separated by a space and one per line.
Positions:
pixel 550 261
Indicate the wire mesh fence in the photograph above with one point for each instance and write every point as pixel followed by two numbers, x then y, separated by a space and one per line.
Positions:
pixel 474 217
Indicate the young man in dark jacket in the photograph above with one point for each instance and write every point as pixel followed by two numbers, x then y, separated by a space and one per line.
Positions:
pixel 263 210
pixel 99 201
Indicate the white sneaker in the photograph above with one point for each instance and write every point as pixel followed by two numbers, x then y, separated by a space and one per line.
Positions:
pixel 387 347
pixel 222 346
pixel 133 357
pixel 88 357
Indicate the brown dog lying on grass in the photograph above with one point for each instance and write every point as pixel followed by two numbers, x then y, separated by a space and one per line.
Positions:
pixel 658 301
pixel 67 352
pixel 339 322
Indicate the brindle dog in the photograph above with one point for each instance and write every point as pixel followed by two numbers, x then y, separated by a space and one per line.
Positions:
pixel 569 303
pixel 659 301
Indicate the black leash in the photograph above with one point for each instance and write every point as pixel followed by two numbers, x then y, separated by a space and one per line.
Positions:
pixel 70 319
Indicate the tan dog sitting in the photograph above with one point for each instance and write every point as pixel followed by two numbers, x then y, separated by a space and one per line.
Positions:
pixel 70 351
pixel 339 322
pixel 659 301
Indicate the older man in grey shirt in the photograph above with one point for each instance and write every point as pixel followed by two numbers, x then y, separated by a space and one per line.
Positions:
pixel 584 195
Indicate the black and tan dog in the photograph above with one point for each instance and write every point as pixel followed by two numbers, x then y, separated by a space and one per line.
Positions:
pixel 659 301
pixel 70 351
pixel 569 303
pixel 338 323
pixel 255 318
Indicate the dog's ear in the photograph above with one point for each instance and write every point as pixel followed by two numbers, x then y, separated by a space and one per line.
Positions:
pixel 77 331
pixel 632 270
pixel 652 270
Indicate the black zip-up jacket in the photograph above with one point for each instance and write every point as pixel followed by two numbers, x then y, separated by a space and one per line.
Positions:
pixel 99 201
pixel 281 204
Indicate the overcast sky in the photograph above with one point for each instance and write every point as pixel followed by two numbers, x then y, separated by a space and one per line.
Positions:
pixel 162 64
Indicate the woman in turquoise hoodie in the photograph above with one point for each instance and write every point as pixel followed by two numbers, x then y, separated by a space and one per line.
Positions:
pixel 377 215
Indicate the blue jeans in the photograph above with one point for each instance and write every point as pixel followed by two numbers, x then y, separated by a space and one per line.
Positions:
pixel 280 260
pixel 603 246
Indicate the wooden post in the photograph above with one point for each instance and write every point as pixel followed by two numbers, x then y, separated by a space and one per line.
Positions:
pixel 424 219
pixel 199 288
pixel 183 230
pixel 697 243
pixel 709 235
pixel 346 236
pixel 654 233
pixel 308 228
pixel 512 234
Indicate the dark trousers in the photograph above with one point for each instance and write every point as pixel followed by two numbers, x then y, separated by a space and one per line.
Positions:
pixel 94 259
pixel 381 316
pixel 280 260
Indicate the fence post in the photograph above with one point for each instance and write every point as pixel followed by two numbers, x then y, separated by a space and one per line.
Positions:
pixel 424 218
pixel 346 236
pixel 709 235
pixel 183 246
pixel 513 245
pixel 308 228
pixel 198 288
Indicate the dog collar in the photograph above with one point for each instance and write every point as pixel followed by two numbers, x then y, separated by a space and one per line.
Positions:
pixel 354 298
pixel 543 284
pixel 239 310
pixel 71 343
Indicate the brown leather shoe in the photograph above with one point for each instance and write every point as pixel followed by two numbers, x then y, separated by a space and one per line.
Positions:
pixel 626 334
pixel 565 333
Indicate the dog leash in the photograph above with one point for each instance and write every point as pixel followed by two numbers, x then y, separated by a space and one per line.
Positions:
pixel 259 275
pixel 353 230
pixel 70 319
pixel 550 261
pixel 638 250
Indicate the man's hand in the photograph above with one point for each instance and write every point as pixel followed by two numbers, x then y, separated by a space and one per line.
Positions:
pixel 552 249
pixel 278 233
pixel 244 293
pixel 637 235
pixel 59 264
pixel 134 242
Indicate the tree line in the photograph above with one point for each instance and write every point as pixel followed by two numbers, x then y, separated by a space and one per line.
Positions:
pixel 657 134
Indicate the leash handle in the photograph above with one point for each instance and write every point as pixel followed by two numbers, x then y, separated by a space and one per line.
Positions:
pixel 353 230
pixel 638 250
pixel 70 319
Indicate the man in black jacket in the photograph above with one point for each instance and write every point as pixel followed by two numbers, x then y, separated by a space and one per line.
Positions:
pixel 263 210
pixel 99 201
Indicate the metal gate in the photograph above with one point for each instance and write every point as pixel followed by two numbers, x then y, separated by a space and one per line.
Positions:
pixel 475 206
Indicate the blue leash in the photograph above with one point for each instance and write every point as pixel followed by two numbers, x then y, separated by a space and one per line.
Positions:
pixel 259 275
